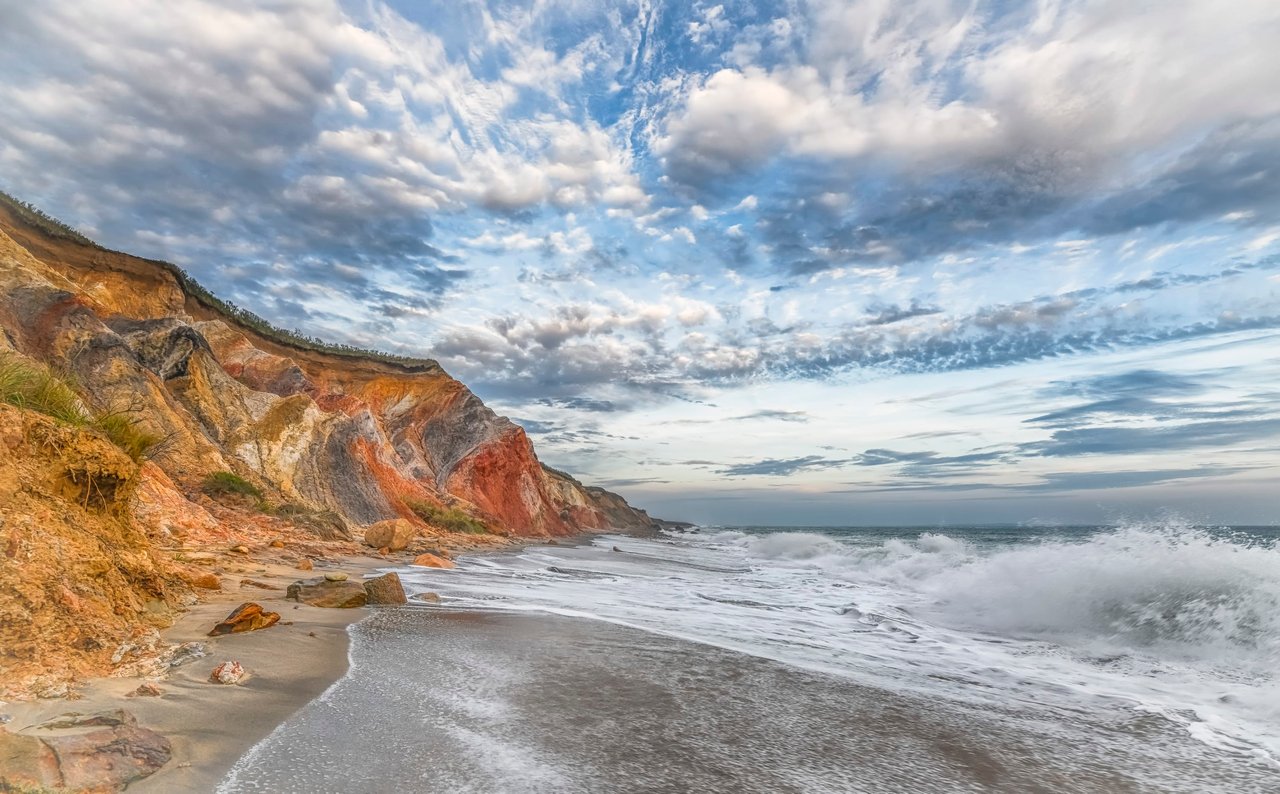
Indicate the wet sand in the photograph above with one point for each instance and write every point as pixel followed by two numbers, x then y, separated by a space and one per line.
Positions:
pixel 209 725
pixel 450 701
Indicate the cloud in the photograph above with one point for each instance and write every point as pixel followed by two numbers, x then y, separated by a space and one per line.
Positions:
pixel 774 467
pixel 781 416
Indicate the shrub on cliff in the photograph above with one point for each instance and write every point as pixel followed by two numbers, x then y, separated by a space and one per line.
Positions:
pixel 225 483
pixel 449 518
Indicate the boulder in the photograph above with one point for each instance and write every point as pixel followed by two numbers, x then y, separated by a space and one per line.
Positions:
pixel 385 589
pixel 432 561
pixel 107 759
pixel 320 592
pixel 229 672
pixel 246 617
pixel 206 580
pixel 394 534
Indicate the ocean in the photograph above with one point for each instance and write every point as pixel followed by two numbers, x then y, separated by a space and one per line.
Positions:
pixel 1142 657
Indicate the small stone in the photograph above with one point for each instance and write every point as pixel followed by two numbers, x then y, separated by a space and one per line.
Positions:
pixel 432 561
pixel 277 544
pixel 229 672
pixel 384 551
pixel 305 564
pixel 246 617
pixel 335 576
pixel 430 598
pixel 311 634
pixel 146 690
pixel 240 549
pixel 615 548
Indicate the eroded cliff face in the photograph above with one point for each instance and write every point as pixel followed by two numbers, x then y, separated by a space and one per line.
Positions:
pixel 332 440
pixel 354 436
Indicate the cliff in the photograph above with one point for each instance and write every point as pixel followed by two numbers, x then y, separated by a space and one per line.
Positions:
pixel 319 441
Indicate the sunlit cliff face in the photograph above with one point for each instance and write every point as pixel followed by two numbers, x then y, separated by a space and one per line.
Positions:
pixel 828 261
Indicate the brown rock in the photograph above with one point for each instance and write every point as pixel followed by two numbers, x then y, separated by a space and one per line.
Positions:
pixel 385 589
pixel 246 617
pixel 27 761
pixel 277 544
pixel 305 564
pixel 229 672
pixel 103 760
pixel 240 549
pixel 320 592
pixel 394 534
pixel 195 577
pixel 74 719
pixel 109 759
pixel 430 598
pixel 147 690
pixel 432 561
pixel 257 584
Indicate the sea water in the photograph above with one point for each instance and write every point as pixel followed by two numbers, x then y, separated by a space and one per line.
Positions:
pixel 1141 652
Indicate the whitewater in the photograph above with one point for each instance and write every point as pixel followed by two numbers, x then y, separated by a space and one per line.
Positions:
pixel 1167 618
pixel 1141 657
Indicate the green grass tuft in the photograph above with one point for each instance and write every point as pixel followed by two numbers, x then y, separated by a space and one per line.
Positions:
pixel 225 483
pixel 449 518
pixel 28 385
pixel 128 435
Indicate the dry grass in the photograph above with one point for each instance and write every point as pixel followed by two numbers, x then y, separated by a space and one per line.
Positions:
pixel 26 384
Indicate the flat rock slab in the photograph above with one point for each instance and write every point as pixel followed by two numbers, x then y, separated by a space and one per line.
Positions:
pixel 106 759
pixel 322 593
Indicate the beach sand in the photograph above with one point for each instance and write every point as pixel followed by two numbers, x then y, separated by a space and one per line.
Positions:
pixel 211 725
pixel 440 700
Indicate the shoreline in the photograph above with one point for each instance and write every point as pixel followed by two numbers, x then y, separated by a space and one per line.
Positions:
pixel 210 726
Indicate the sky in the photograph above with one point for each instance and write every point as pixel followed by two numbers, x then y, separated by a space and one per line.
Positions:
pixel 826 262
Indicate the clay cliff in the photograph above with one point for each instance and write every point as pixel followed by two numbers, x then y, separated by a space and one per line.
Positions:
pixel 318 441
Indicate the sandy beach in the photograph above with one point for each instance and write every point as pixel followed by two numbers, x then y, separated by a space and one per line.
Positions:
pixel 477 701
pixel 210 726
